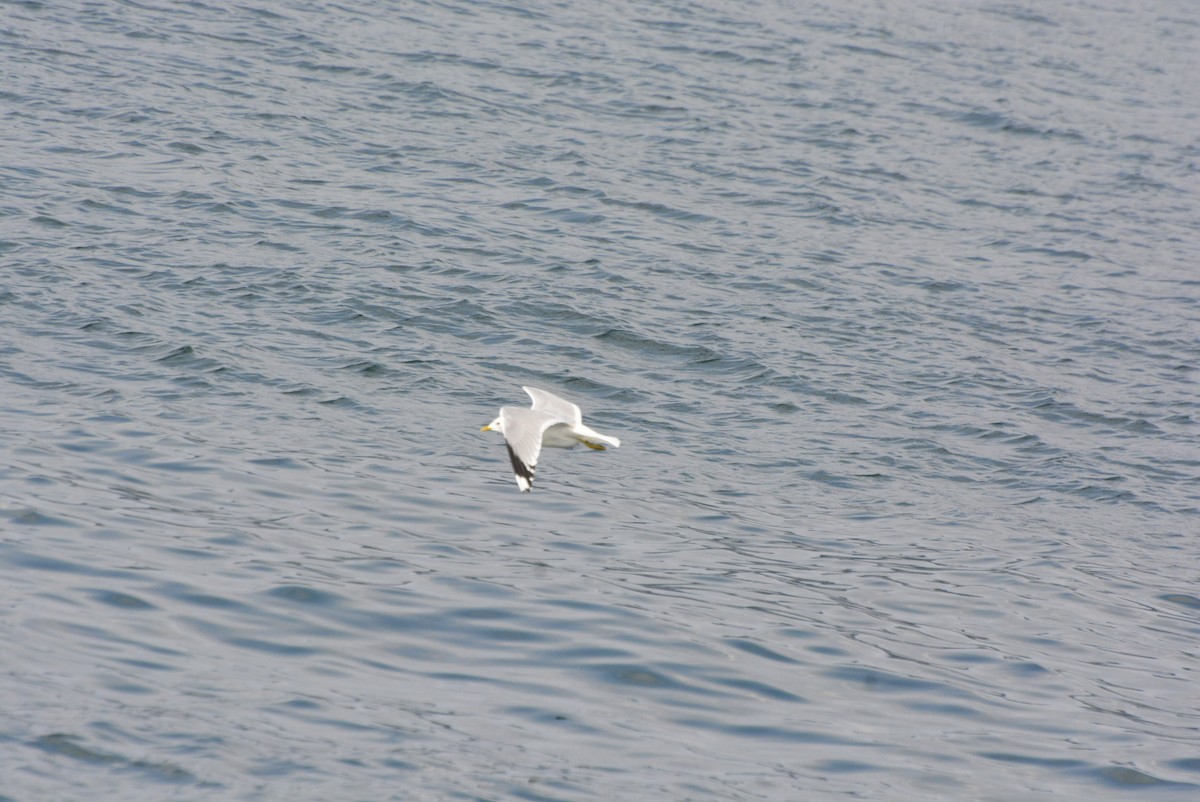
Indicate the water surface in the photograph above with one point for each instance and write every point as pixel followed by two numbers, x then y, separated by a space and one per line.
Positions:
pixel 895 312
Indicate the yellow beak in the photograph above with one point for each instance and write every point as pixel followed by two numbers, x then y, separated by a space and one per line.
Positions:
pixel 486 429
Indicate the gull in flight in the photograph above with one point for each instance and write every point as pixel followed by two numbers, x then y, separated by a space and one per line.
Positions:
pixel 552 422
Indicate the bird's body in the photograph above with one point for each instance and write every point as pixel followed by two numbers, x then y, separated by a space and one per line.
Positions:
pixel 551 422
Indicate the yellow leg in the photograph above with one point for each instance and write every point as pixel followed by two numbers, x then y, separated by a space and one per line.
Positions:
pixel 593 446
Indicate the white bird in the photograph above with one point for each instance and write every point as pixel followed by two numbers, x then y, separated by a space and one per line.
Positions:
pixel 552 422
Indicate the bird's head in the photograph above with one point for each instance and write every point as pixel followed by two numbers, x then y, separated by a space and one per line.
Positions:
pixel 494 426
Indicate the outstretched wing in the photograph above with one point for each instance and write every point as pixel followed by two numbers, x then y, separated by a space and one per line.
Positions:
pixel 523 429
pixel 555 407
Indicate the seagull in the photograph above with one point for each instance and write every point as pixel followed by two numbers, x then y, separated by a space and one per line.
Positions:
pixel 552 422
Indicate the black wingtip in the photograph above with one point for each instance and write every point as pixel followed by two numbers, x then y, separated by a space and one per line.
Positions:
pixel 520 469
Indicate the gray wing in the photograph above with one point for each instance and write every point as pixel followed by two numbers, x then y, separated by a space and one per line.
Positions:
pixel 555 407
pixel 523 429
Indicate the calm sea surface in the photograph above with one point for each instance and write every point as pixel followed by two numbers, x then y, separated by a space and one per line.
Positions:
pixel 895 308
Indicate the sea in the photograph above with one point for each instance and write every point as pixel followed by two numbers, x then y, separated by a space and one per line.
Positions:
pixel 894 308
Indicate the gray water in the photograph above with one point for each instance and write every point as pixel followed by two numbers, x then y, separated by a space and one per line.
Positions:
pixel 894 308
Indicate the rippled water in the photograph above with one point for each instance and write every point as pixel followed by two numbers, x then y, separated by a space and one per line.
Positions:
pixel 895 310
